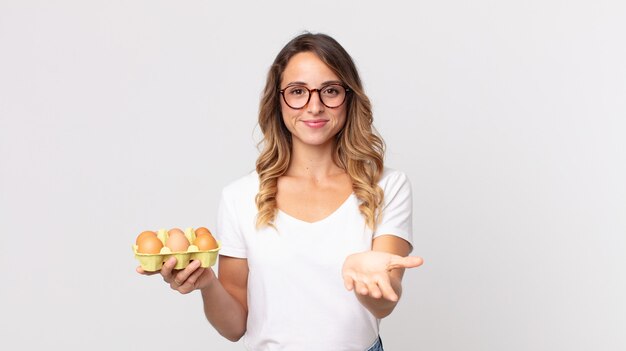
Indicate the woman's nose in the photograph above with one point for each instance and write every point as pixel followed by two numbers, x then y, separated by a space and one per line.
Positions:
pixel 315 103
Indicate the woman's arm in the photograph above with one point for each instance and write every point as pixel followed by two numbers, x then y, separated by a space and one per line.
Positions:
pixel 224 299
pixel 226 304
pixel 376 276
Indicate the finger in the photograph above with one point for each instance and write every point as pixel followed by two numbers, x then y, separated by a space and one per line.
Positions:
pixel 140 270
pixel 193 278
pixel 183 289
pixel 182 276
pixel 361 288
pixel 387 291
pixel 404 262
pixel 166 270
pixel 348 281
pixel 374 290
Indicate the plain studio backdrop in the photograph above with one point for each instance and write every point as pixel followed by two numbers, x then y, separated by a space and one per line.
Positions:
pixel 508 117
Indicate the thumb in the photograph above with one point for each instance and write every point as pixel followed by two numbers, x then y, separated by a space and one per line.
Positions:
pixel 405 262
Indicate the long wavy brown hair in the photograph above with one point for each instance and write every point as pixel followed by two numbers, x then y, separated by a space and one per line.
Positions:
pixel 358 149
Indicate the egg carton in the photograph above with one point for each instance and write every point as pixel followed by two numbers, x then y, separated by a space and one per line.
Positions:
pixel 154 262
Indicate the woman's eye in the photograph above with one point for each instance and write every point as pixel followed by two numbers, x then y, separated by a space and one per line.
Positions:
pixel 296 91
pixel 331 91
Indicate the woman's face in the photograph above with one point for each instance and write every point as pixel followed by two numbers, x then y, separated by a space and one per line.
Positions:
pixel 315 123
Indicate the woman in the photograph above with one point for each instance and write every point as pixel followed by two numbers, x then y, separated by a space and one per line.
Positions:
pixel 314 243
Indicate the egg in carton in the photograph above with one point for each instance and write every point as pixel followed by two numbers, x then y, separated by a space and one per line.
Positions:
pixel 154 262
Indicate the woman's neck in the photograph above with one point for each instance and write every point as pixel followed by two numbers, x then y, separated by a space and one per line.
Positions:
pixel 312 161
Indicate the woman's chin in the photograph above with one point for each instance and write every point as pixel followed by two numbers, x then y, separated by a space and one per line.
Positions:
pixel 314 141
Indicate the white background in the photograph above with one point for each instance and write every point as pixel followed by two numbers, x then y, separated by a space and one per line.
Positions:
pixel 508 117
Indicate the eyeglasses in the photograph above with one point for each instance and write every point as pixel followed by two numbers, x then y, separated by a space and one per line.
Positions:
pixel 298 96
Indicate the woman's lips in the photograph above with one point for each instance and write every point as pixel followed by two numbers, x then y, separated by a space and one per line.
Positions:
pixel 316 123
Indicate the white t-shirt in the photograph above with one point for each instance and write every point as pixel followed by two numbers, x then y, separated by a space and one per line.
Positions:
pixel 296 296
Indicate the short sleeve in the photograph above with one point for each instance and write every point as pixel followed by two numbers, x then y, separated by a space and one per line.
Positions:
pixel 397 211
pixel 229 231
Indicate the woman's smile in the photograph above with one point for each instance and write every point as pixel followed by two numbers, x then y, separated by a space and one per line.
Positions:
pixel 316 123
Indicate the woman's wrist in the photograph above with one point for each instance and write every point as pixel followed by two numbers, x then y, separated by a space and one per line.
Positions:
pixel 207 280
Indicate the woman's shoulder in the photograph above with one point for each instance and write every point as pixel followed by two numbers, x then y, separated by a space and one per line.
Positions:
pixel 391 177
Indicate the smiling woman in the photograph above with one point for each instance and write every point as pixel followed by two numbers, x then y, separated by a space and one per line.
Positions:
pixel 357 150
pixel 320 202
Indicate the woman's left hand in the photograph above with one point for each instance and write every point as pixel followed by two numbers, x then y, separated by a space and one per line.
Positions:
pixel 368 273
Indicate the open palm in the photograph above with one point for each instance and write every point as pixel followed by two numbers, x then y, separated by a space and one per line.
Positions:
pixel 368 273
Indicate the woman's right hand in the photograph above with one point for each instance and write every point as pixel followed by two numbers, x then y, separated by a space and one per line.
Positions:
pixel 185 280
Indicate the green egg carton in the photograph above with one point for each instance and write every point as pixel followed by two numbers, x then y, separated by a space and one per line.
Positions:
pixel 154 262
